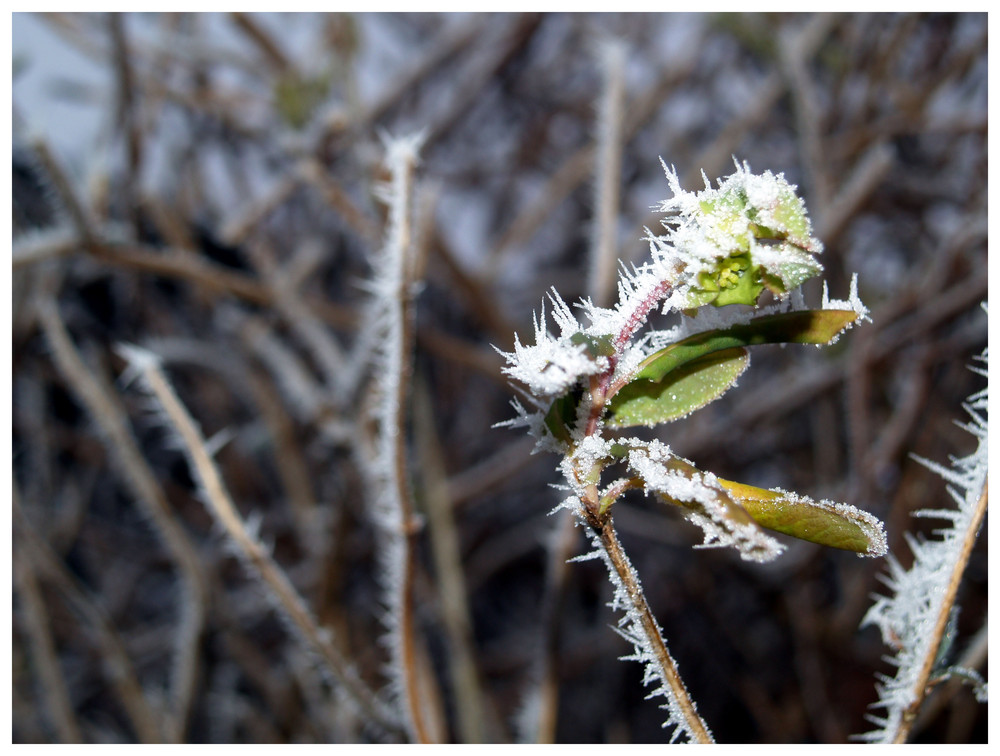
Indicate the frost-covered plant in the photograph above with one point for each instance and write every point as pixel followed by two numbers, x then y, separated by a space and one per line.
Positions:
pixel 917 619
pixel 722 248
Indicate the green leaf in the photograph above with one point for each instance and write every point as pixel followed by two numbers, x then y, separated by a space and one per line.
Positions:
pixel 693 385
pixel 824 522
pixel 725 513
pixel 804 327
pixel 562 415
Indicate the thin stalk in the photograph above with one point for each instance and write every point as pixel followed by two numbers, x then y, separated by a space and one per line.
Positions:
pixel 667 667
pixel 251 551
pixel 922 688
pixel 446 548
pixel 604 252
pixel 400 527
pixel 545 713
pixel 112 420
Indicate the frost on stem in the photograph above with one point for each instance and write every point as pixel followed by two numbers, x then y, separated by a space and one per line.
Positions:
pixel 392 316
pixel 913 619
pixel 637 626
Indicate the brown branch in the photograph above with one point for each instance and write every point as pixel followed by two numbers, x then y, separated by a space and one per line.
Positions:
pixel 446 549
pixel 107 412
pixel 921 686
pixel 43 650
pixel 254 555
pixel 118 667
pixel 668 668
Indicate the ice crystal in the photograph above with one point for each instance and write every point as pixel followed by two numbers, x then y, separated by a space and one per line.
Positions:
pixel 552 365
pixel 630 626
pixel 702 493
pixel 749 234
pixel 908 616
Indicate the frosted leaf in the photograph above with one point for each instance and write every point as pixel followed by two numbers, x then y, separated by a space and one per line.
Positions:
pixel 749 234
pixel 704 501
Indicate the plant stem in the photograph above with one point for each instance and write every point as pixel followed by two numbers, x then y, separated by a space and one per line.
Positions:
pixel 394 284
pixel 922 688
pixel 249 548
pixel 668 668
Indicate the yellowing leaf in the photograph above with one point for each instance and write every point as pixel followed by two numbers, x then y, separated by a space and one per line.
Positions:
pixel 824 522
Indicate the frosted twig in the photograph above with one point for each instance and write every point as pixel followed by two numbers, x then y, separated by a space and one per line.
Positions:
pixel 299 387
pixel 643 630
pixel 914 618
pixel 106 411
pixel 393 321
pixel 251 551
pixel 313 334
pixel 973 658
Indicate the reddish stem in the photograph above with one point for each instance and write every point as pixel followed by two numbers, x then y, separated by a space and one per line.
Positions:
pixel 600 385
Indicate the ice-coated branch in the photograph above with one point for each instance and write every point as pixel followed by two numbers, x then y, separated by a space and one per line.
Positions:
pixel 639 626
pixel 110 417
pixel 247 546
pixel 395 512
pixel 914 618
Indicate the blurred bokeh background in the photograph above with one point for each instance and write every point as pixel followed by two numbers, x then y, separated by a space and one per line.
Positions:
pixel 174 174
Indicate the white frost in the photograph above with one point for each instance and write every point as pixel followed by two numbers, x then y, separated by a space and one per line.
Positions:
pixel 907 617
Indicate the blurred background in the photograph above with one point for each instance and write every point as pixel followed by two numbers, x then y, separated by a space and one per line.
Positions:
pixel 174 174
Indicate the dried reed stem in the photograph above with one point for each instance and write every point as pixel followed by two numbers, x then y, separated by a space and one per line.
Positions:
pixel 248 548
pixel 107 412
